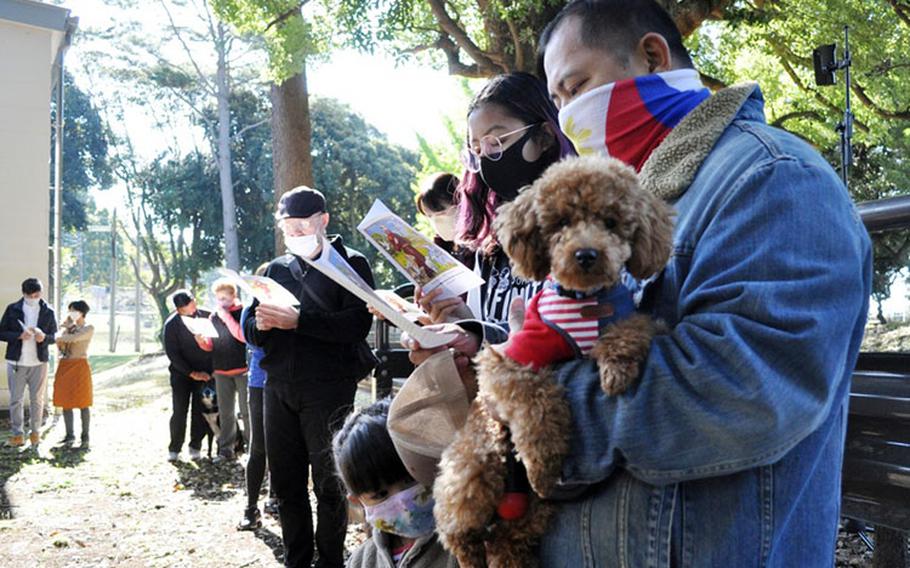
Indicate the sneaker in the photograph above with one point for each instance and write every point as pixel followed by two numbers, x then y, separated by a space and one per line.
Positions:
pixel 222 458
pixel 84 443
pixel 251 521
pixel 34 438
pixel 69 440
pixel 16 441
pixel 271 507
pixel 195 454
pixel 173 456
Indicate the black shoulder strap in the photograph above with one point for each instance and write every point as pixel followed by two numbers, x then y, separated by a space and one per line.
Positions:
pixel 298 274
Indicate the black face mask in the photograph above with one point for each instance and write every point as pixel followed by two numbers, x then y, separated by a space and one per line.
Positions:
pixel 511 171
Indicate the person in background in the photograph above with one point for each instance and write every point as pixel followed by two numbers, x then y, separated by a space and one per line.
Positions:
pixel 398 508
pixel 256 464
pixel 438 202
pixel 229 361
pixel 190 368
pixel 28 327
pixel 73 379
pixel 513 136
pixel 314 356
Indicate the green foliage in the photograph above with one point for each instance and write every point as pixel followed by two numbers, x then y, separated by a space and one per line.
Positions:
pixel 85 154
pixel 353 164
pixel 289 37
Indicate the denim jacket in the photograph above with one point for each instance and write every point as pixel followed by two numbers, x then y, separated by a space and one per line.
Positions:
pixel 728 452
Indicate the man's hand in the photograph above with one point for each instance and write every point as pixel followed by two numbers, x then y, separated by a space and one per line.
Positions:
pixel 39 335
pixel 442 311
pixel 26 335
pixel 464 347
pixel 201 376
pixel 276 317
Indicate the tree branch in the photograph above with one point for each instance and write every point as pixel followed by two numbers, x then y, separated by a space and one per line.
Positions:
pixel 285 15
pixel 249 127
pixel 779 122
pixel 452 28
pixel 902 10
pixel 202 78
pixel 456 67
pixel 861 94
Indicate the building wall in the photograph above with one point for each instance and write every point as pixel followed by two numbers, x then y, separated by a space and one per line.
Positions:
pixel 25 76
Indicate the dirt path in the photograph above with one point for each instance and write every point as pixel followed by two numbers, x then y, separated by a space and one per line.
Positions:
pixel 121 503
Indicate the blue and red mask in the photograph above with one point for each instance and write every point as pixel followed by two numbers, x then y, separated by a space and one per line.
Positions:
pixel 628 119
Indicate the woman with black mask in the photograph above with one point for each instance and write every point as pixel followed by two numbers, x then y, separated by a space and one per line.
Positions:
pixel 513 136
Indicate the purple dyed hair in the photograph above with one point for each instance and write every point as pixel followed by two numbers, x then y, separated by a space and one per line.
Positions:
pixel 524 97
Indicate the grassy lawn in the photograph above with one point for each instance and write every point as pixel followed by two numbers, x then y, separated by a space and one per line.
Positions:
pixel 101 363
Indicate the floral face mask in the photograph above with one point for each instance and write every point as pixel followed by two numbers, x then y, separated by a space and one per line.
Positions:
pixel 408 513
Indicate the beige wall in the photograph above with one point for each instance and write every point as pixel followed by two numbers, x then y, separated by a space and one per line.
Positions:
pixel 25 76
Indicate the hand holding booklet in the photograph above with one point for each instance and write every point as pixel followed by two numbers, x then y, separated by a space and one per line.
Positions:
pixel 416 256
pixel 333 265
pixel 263 288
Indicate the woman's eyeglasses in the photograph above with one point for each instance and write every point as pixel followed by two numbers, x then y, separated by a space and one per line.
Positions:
pixel 489 147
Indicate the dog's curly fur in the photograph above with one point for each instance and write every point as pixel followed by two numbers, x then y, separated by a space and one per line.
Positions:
pixel 579 203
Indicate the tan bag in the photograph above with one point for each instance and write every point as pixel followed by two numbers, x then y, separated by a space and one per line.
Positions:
pixel 425 415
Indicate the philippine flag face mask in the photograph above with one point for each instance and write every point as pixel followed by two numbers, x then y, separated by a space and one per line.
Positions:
pixel 629 118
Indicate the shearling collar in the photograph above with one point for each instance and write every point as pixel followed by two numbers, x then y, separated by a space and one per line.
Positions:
pixel 672 166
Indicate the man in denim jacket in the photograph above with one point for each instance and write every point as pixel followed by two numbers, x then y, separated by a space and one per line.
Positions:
pixel 729 451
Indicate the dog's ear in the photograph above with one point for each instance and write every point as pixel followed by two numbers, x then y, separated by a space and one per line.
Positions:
pixel 653 239
pixel 518 230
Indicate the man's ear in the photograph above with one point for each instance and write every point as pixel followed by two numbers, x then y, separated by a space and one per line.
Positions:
pixel 655 52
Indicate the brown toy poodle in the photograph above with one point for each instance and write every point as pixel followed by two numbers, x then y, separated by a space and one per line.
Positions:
pixel 577 226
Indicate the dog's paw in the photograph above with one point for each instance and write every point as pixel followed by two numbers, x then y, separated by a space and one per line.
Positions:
pixel 618 375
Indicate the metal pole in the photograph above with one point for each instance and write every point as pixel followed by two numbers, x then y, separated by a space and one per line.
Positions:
pixel 847 133
pixel 58 188
pixel 112 324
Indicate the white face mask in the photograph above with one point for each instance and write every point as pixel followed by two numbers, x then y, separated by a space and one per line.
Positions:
pixel 31 302
pixel 444 226
pixel 305 246
pixel 74 316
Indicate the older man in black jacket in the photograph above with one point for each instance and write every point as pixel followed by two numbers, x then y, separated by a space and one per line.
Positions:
pixel 191 370
pixel 314 359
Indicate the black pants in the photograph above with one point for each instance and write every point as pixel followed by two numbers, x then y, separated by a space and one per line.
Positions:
pixel 255 466
pixel 183 389
pixel 299 422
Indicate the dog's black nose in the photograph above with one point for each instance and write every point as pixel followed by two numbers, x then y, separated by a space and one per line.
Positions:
pixel 586 257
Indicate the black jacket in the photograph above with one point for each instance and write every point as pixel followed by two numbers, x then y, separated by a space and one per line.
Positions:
pixel 228 354
pixel 181 348
pixel 323 349
pixel 11 329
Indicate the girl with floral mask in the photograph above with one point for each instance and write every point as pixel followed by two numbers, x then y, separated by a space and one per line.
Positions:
pixel 513 136
pixel 399 510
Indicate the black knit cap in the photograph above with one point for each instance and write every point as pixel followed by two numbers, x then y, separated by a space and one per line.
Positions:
pixel 301 202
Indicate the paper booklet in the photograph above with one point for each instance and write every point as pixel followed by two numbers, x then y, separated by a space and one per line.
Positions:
pixel 200 326
pixel 333 265
pixel 263 288
pixel 417 257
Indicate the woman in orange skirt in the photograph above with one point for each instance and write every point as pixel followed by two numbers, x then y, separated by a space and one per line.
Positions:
pixel 73 381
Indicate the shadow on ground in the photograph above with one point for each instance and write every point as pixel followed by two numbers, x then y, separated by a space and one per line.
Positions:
pixel 208 480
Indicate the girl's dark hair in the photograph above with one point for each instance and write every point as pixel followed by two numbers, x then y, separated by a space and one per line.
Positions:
pixel 437 194
pixel 80 306
pixel 522 96
pixel 365 457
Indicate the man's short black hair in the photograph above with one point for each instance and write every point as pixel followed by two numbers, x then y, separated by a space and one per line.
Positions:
pixel 31 285
pixel 80 306
pixel 182 298
pixel 617 25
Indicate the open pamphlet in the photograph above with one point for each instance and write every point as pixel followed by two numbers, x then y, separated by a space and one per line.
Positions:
pixel 416 256
pixel 200 326
pixel 263 288
pixel 333 265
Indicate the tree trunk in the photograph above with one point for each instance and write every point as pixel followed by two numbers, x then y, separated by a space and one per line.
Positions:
pixel 880 314
pixel 292 164
pixel 229 213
